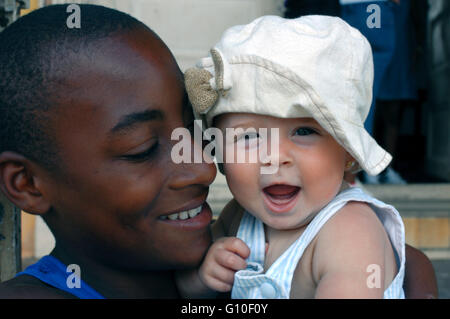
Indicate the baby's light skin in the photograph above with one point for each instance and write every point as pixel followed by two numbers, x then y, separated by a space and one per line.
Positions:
pixel 308 158
pixel 311 164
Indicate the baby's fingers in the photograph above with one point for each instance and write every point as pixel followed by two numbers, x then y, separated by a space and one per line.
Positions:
pixel 237 246
pixel 219 285
pixel 218 278
pixel 230 260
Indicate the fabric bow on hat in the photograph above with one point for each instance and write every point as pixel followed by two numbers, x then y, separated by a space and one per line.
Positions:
pixel 201 93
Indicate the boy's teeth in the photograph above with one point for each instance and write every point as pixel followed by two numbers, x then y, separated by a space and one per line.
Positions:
pixel 194 212
pixel 185 214
pixel 173 216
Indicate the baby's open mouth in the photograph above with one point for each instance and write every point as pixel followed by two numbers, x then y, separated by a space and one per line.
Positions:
pixel 281 197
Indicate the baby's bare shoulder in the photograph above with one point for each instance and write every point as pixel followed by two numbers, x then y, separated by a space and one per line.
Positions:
pixel 354 232
pixel 351 241
pixel 354 219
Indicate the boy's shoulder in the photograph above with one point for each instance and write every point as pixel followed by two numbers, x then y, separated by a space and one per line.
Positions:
pixel 29 287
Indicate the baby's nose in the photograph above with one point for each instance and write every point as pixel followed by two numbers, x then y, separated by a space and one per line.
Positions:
pixel 278 155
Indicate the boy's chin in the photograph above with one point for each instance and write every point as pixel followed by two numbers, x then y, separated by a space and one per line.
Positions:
pixel 163 265
pixel 191 259
pixel 187 258
pixel 187 262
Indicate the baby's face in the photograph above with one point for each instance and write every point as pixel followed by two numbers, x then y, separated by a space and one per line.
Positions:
pixel 307 174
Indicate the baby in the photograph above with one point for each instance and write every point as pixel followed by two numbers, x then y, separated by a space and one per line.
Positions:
pixel 296 230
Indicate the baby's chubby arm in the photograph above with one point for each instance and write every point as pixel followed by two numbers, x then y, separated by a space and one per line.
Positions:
pixel 348 249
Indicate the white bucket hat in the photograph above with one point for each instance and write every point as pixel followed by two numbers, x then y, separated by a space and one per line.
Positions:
pixel 313 66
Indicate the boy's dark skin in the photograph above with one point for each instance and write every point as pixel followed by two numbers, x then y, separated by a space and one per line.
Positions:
pixel 103 210
pixel 102 207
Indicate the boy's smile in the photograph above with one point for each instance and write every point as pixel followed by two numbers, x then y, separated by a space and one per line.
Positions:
pixel 120 189
pixel 310 172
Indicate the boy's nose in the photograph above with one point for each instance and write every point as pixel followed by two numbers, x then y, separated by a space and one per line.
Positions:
pixel 194 173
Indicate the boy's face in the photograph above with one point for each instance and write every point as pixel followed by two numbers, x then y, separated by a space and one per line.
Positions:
pixel 310 168
pixel 119 183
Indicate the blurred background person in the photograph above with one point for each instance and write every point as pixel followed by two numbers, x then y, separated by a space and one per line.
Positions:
pixel 388 26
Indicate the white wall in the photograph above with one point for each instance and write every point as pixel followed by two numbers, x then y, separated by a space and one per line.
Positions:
pixel 191 27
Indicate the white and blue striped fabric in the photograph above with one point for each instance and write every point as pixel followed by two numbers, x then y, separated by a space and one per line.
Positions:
pixel 253 283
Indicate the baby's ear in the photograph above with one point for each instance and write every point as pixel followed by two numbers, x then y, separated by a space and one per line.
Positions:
pixel 351 165
pixel 19 183
pixel 349 157
pixel 349 162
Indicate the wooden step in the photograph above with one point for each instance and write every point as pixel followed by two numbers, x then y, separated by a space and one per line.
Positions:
pixel 425 210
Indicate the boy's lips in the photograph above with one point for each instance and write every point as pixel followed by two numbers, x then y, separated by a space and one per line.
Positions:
pixel 281 198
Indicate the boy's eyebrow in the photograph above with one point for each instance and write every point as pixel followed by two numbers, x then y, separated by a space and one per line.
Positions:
pixel 129 120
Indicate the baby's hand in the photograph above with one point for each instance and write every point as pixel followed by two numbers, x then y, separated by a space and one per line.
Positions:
pixel 226 256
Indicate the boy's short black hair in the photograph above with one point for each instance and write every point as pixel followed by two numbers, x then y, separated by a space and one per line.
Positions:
pixel 36 52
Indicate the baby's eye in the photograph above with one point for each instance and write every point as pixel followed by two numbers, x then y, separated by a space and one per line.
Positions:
pixel 248 136
pixel 248 140
pixel 303 131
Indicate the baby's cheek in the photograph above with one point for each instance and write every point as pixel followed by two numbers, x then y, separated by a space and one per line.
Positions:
pixel 235 175
pixel 242 180
pixel 322 179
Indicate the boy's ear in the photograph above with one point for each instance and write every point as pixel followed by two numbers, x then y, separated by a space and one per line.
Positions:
pixel 18 181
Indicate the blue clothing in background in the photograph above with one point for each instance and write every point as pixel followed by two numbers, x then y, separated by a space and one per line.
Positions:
pixel 399 81
pixel 382 41
pixel 54 273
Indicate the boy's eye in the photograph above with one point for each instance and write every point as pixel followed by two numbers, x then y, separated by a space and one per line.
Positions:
pixel 304 131
pixel 143 156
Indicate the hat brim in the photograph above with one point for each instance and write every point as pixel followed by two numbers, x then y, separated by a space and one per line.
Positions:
pixel 296 99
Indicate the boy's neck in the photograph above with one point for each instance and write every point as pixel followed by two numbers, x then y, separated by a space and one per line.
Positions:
pixel 113 282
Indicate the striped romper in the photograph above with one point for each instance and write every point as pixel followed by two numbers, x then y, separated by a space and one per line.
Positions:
pixel 253 283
